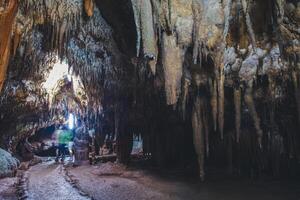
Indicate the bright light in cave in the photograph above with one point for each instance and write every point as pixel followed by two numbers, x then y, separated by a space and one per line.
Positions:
pixel 71 121
pixel 59 70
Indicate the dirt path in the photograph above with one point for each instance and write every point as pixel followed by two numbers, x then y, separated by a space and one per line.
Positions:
pixel 47 181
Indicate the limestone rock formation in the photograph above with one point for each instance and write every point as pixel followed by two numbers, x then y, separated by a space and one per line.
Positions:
pixel 8 164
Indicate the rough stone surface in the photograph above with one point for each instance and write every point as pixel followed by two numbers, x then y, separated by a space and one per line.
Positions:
pixel 8 189
pixel 8 164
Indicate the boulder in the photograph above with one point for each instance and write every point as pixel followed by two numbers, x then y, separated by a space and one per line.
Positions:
pixel 8 164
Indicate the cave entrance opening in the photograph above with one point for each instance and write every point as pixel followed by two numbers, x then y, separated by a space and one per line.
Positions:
pixel 64 94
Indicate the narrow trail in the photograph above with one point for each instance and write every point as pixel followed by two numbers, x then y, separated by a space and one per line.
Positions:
pixel 47 181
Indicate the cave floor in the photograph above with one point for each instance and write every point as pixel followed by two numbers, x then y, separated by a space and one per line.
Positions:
pixel 7 188
pixel 111 181
pixel 49 180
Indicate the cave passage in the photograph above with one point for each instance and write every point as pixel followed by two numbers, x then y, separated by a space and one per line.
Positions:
pixel 149 99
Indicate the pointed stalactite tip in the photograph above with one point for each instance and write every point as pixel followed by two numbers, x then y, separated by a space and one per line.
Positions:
pixel 89 7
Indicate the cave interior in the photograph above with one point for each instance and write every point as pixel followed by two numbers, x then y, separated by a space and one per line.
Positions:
pixel 194 85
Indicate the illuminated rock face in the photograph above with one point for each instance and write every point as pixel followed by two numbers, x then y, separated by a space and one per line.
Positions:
pixel 189 73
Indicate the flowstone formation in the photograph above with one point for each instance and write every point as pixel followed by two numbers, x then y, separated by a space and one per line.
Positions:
pixel 211 81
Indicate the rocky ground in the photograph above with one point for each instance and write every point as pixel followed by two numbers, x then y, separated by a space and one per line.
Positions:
pixel 49 180
pixel 8 188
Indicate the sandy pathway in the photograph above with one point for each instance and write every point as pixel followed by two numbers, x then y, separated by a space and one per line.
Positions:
pixel 46 181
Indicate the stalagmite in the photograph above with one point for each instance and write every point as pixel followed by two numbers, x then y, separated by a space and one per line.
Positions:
pixel 172 65
pixel 89 7
pixel 6 21
pixel 237 107
pixel 198 135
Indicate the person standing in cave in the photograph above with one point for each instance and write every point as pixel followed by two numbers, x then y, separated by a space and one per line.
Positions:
pixel 59 143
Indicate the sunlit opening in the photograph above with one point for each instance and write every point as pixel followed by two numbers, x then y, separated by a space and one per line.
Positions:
pixel 59 70
pixel 62 71
pixel 71 121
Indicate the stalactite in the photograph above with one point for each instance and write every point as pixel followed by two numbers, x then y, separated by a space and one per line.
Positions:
pixel 58 14
pixel 185 91
pixel 148 34
pixel 237 107
pixel 272 87
pixel 56 42
pixel 221 99
pixel 198 135
pixel 89 7
pixel 136 5
pixel 251 106
pixel 296 82
pixel 172 65
pixel 166 15
pixel 214 103
pixel 220 79
pixel 52 36
pixel 145 31
pixel 206 129
pixel 16 40
pixel 197 7
pixel 219 70
pixel 6 21
pixel 62 31
pixel 227 13
pixel 249 24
